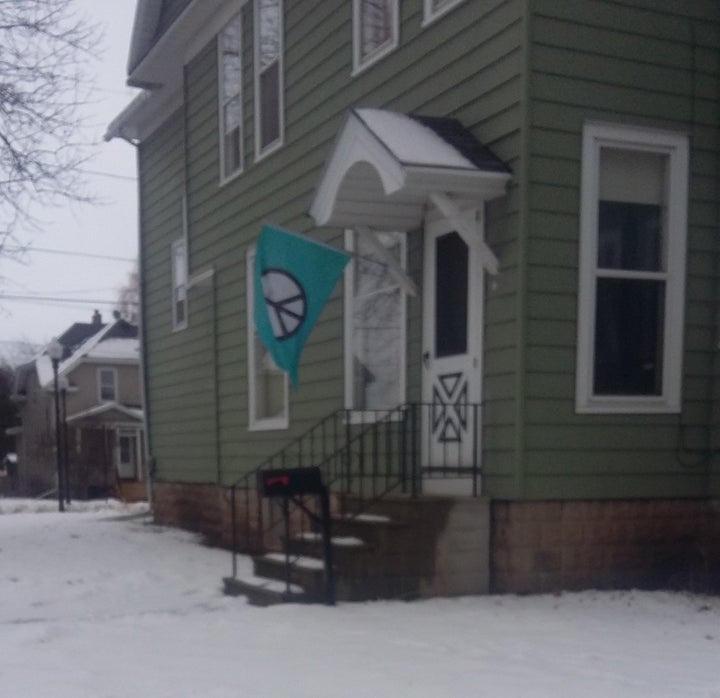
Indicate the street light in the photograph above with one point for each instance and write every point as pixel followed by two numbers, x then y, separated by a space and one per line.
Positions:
pixel 55 352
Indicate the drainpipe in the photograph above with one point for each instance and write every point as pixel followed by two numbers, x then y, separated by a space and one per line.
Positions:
pixel 149 460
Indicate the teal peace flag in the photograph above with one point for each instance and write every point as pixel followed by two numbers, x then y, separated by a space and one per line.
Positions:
pixel 293 279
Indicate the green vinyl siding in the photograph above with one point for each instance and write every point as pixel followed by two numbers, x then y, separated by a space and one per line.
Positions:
pixel 524 76
pixel 466 65
pixel 177 367
pixel 652 64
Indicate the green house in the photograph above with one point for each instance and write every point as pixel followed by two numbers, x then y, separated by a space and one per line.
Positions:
pixel 522 355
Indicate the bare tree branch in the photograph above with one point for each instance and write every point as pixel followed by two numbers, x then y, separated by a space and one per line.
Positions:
pixel 128 301
pixel 44 50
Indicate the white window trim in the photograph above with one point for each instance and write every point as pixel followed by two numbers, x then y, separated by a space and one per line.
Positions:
pixel 260 152
pixel 675 146
pixel 358 64
pixel 429 16
pixel 255 423
pixel 113 371
pixel 221 108
pixel 362 416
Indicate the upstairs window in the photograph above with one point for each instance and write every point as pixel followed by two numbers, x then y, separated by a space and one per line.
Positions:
pixel 268 76
pixel 437 8
pixel 632 270
pixel 375 30
pixel 231 108
pixel 107 384
pixel 267 384
pixel 179 268
pixel 375 313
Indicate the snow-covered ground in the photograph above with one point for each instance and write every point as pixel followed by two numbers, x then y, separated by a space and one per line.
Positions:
pixel 100 603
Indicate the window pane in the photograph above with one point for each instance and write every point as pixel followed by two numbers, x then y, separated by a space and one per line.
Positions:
pixel 125 452
pixel 451 295
pixel 633 176
pixel 377 346
pixel 107 385
pixel 179 282
pixel 376 24
pixel 629 330
pixel 180 305
pixel 268 32
pixel 179 265
pixel 231 59
pixel 630 236
pixel 378 335
pixel 232 152
pixel 269 385
pixel 270 105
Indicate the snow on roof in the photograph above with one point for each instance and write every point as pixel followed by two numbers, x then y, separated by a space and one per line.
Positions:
pixel 412 142
pixel 133 412
pixel 115 348
pixel 96 347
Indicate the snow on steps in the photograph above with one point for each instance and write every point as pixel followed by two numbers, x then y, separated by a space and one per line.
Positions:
pixel 262 591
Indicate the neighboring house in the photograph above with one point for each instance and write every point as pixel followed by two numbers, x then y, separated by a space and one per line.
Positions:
pixel 532 188
pixel 100 407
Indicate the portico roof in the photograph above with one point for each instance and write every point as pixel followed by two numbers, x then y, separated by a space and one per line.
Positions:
pixel 385 166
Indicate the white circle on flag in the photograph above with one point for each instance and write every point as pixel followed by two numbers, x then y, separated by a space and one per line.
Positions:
pixel 286 302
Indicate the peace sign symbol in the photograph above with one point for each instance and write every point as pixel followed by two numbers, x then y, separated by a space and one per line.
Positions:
pixel 286 302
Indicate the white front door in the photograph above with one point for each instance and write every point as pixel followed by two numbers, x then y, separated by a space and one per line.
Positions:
pixel 452 347
pixel 128 453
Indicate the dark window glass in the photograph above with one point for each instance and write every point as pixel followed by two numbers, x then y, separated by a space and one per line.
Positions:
pixel 630 236
pixel 451 295
pixel 628 337
pixel 270 105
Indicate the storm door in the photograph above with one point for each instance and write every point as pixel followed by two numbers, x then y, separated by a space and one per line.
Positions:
pixel 128 454
pixel 452 382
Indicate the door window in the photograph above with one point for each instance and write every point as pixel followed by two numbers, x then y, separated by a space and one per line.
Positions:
pixel 451 295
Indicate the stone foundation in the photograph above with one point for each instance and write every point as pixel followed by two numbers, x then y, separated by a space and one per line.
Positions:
pixel 646 544
pixel 534 546
pixel 203 509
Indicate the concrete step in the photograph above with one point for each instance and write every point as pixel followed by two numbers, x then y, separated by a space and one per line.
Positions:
pixel 305 572
pixel 310 543
pixel 261 591
pixel 374 530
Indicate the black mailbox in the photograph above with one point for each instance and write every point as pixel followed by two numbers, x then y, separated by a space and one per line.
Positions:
pixel 287 482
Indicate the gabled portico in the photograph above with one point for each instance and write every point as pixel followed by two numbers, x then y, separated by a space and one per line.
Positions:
pixel 397 172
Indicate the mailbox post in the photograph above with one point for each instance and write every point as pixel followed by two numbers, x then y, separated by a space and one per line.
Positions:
pixel 288 484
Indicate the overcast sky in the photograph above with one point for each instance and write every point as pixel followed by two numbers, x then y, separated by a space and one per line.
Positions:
pixel 108 229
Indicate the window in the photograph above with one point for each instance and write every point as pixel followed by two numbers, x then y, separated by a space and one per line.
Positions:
pixel 230 92
pixel 267 384
pixel 179 283
pixel 268 76
pixel 437 8
pixel 107 384
pixel 375 311
pixel 633 227
pixel 375 30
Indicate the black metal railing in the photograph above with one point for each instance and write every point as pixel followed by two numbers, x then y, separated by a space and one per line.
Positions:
pixel 363 456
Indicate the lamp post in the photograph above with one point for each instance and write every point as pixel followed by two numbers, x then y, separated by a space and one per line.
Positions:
pixel 65 456
pixel 55 352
